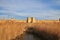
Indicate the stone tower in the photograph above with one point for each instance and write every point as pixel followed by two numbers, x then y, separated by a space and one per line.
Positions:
pixel 59 19
pixel 31 20
pixel 28 20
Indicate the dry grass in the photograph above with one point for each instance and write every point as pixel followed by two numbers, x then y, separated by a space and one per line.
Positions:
pixel 10 29
pixel 51 27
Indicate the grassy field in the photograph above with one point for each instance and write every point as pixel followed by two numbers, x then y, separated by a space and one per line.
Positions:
pixel 10 29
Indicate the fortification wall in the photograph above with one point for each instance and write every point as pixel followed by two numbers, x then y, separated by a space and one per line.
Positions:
pixel 31 20
pixel 47 21
pixel 21 21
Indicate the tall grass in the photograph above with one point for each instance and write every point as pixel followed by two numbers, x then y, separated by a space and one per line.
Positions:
pixel 11 29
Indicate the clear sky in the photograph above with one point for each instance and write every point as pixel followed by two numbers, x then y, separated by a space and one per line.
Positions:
pixel 42 9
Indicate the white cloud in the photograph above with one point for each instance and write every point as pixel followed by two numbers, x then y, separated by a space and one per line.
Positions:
pixel 30 8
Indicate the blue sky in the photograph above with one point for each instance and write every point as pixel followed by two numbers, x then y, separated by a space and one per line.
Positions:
pixel 42 9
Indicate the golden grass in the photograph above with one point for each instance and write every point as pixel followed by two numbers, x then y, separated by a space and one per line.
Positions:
pixel 10 29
